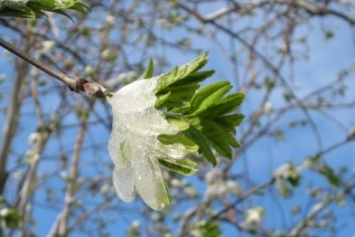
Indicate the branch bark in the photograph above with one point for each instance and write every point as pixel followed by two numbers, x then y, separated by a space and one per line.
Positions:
pixel 30 181
pixel 317 208
pixel 77 85
pixel 11 119
pixel 63 218
pixel 50 71
pixel 301 4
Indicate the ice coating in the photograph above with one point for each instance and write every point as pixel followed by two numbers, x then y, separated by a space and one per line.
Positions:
pixel 134 147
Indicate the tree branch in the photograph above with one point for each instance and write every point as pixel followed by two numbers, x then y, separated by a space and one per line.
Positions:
pixel 50 71
pixel 274 69
pixel 317 208
pixel 30 182
pixel 72 182
pixel 11 118
pixel 301 4
pixel 77 85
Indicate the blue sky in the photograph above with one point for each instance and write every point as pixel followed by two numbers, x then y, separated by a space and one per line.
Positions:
pixel 326 59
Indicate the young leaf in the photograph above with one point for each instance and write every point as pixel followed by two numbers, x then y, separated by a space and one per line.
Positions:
pixel 181 166
pixel 149 72
pixel 136 145
pixel 189 145
pixel 15 9
pixel 328 172
pixel 162 119
pixel 208 110
pixel 180 74
pixel 200 139
pixel 207 96
pixel 37 8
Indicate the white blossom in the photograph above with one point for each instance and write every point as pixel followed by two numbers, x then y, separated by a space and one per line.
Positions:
pixel 34 138
pixel 267 107
pixel 4 212
pixel 89 70
pixel 254 216
pixel 110 20
pixel 213 175
pixel 135 224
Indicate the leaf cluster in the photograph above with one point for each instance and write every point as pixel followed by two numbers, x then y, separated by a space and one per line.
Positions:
pixel 37 8
pixel 324 169
pixel 205 116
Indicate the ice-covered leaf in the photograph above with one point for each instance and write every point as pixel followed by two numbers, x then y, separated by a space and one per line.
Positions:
pixel 181 166
pixel 134 145
pixel 159 120
pixel 190 146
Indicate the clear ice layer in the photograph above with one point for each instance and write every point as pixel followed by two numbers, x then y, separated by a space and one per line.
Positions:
pixel 134 147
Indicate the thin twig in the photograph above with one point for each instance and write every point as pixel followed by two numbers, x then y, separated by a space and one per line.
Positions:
pixel 71 82
pixel 90 88
pixel 312 9
pixel 72 182
pixel 11 118
pixel 317 208
pixel 263 58
pixel 30 182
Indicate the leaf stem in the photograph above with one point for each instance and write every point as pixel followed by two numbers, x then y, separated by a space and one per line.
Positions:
pixel 71 82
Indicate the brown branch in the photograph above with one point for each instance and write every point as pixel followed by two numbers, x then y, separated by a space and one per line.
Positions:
pixel 301 4
pixel 30 181
pixel 44 36
pixel 317 208
pixel 189 214
pixel 50 71
pixel 11 121
pixel 80 85
pixel 87 214
pixel 73 175
pixel 275 70
pixel 11 117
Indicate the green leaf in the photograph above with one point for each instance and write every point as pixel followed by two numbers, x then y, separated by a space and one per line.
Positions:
pixel 37 8
pixel 231 121
pixel 221 139
pixel 181 166
pixel 177 94
pixel 287 177
pixel 208 111
pixel 325 170
pixel 204 148
pixel 330 175
pixel 180 123
pixel 80 7
pixel 283 189
pixel 190 146
pixel 294 177
pixel 63 13
pixel 15 9
pixel 11 219
pixel 181 73
pixel 208 96
pixel 169 117
pixel 224 106
pixel 315 159
pixel 206 229
pixel 149 72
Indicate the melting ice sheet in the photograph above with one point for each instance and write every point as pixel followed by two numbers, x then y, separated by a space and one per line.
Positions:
pixel 134 147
